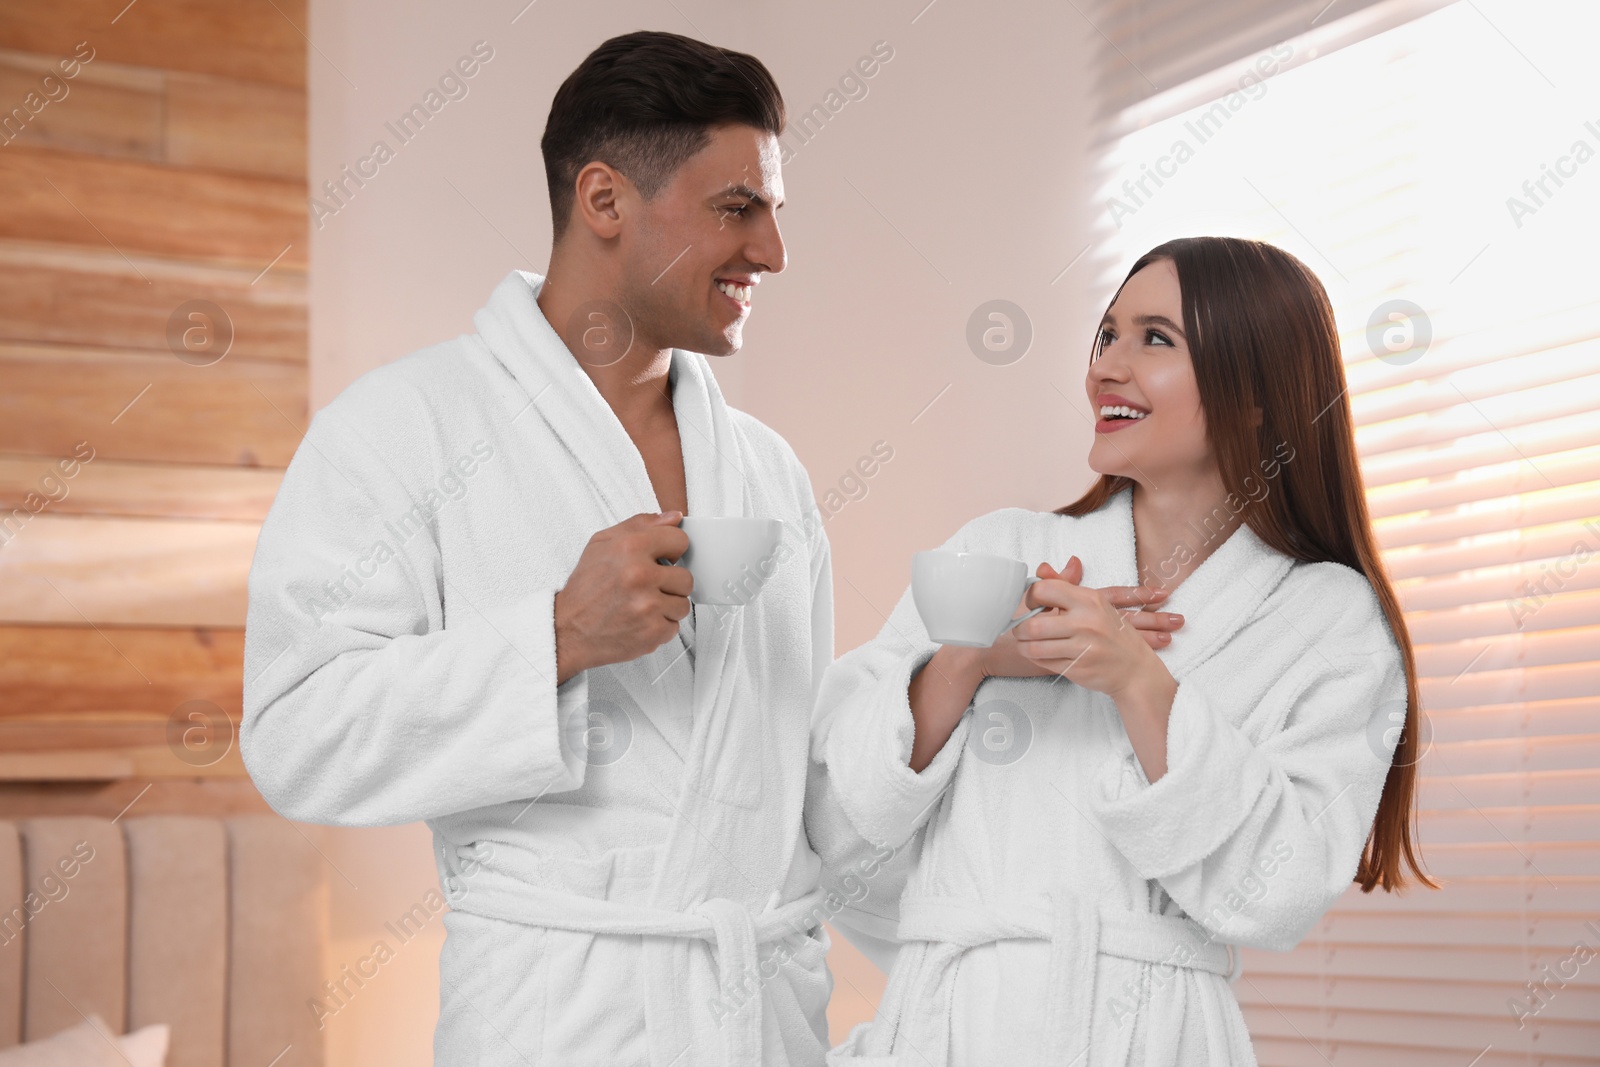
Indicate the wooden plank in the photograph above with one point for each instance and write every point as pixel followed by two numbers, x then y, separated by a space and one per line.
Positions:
pixel 135 207
pixel 69 570
pixel 200 727
pixel 225 124
pixel 46 290
pixel 215 797
pixel 109 764
pixel 105 109
pixel 258 40
pixel 64 766
pixel 239 412
pixel 154 490
pixel 181 119
pixel 77 672
pixel 194 741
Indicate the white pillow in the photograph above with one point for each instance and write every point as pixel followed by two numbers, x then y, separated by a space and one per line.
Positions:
pixel 91 1044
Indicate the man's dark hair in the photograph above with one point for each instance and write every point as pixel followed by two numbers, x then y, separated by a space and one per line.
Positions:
pixel 644 103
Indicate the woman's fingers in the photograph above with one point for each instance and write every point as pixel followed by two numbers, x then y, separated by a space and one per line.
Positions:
pixel 1156 638
pixel 1132 596
pixel 1045 634
pixel 1153 620
pixel 1155 627
pixel 1119 596
pixel 1059 593
pixel 1045 652
pixel 1072 572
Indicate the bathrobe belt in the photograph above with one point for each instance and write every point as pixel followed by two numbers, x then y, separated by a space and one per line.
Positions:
pixel 733 932
pixel 1079 932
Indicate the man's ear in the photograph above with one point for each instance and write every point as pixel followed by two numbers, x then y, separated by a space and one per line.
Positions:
pixel 598 203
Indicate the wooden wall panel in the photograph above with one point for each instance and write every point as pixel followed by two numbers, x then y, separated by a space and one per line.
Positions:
pixel 83 762
pixel 152 572
pixel 78 670
pixel 120 112
pixel 74 295
pixel 106 109
pixel 225 124
pixel 85 701
pixel 138 207
pixel 240 412
pixel 169 167
pixel 111 487
pixel 256 40
pixel 106 799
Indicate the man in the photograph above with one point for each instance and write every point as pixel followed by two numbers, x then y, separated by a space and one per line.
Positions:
pixel 462 608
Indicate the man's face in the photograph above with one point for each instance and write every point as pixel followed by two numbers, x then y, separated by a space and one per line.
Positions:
pixel 693 260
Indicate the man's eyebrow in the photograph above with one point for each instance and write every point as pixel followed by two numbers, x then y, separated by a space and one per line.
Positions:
pixel 749 194
pixel 1147 320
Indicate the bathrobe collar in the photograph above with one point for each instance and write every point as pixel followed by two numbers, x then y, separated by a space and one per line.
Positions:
pixel 1215 600
pixel 522 339
pixel 724 762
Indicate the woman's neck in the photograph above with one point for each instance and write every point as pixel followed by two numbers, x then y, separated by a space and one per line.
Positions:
pixel 1177 526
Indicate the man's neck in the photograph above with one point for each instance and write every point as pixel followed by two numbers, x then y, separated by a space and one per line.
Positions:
pixel 590 323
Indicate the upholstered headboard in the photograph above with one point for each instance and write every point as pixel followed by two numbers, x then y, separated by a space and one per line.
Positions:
pixel 213 926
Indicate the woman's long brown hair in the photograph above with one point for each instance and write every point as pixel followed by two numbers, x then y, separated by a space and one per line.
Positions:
pixel 1261 334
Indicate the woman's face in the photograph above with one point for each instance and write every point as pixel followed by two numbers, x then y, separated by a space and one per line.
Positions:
pixel 1143 365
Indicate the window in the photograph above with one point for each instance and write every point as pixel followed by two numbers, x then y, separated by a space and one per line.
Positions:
pixel 1442 177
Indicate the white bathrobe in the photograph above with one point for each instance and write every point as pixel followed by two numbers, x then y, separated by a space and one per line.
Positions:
pixel 623 856
pixel 1064 910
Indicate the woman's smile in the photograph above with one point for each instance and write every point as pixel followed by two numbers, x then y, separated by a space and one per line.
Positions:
pixel 1116 413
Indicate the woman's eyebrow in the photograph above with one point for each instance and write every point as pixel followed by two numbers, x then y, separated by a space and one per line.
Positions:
pixel 1145 320
pixel 1158 320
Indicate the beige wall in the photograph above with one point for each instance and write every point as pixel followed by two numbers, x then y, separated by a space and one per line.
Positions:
pixel 960 177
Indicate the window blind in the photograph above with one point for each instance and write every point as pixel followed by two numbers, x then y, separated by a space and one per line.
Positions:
pixel 1152 47
pixel 1421 164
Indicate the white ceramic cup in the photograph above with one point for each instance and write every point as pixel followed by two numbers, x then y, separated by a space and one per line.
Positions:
pixel 966 598
pixel 731 558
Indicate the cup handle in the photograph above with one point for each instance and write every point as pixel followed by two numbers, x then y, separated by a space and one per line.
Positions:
pixel 1031 579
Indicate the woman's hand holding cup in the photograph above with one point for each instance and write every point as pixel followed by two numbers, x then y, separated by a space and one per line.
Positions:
pixel 1095 637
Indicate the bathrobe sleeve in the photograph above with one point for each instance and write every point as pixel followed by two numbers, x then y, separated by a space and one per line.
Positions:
pixel 865 806
pixel 862 881
pixel 364 704
pixel 1256 841
pixel 821 601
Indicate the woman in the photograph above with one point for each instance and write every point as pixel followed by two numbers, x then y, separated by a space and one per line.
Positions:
pixel 1136 793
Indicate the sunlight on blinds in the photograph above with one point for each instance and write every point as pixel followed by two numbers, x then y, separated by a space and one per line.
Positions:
pixel 1442 179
